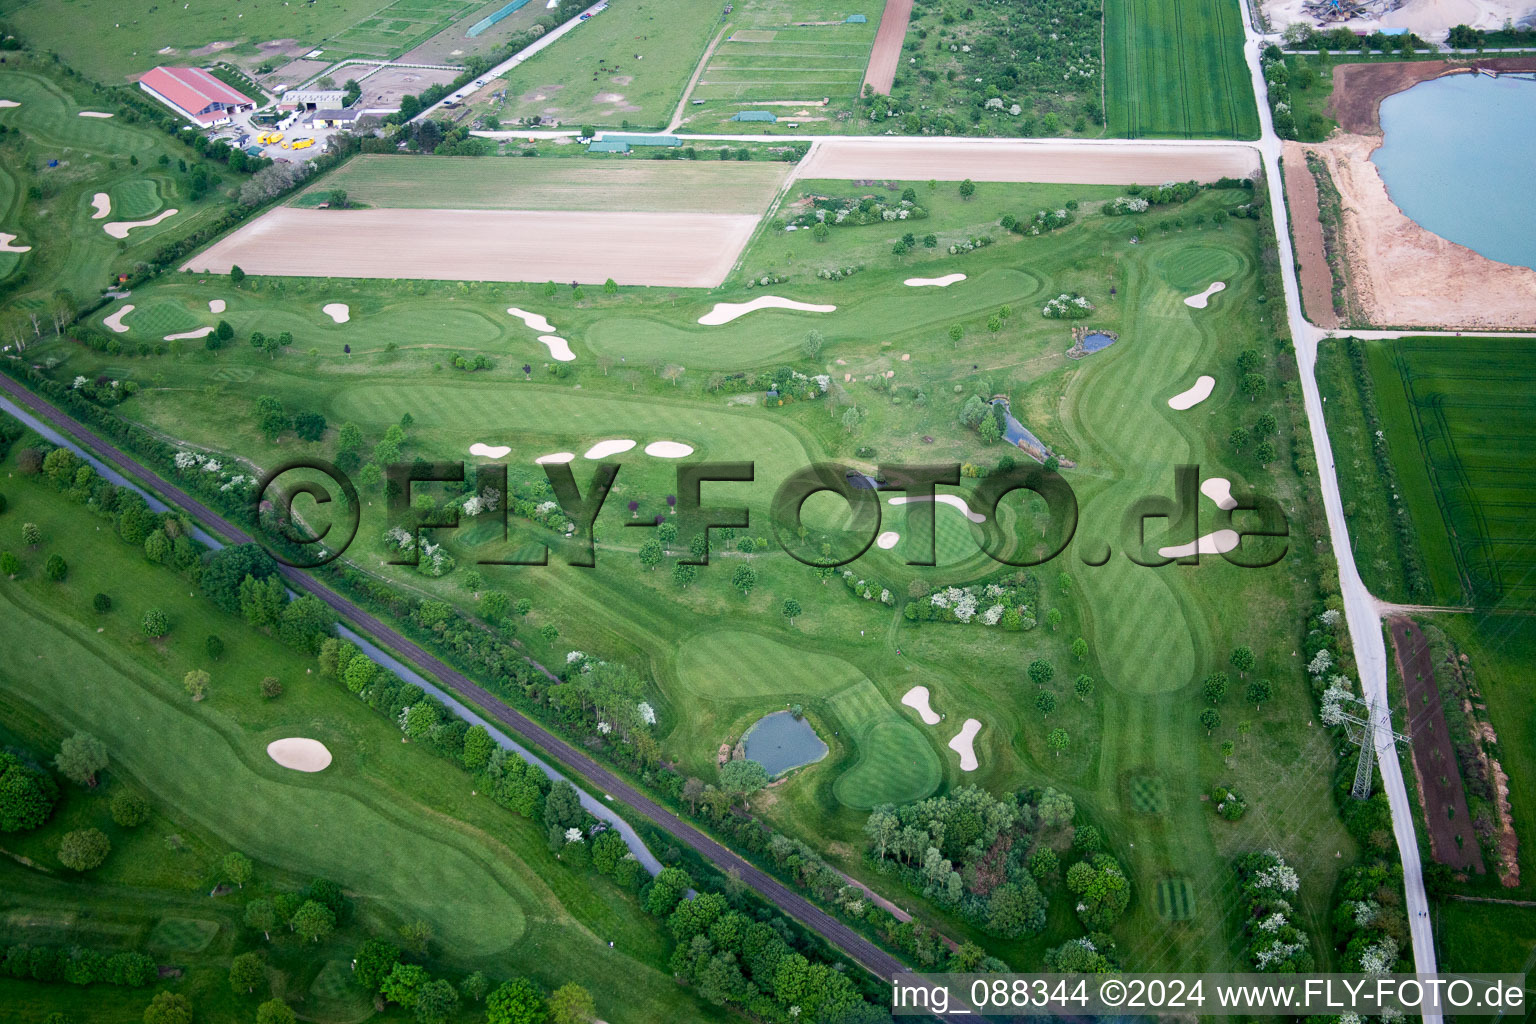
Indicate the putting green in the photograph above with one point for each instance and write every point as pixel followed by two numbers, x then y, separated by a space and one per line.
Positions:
pixel 155 321
pixel 896 763
pixel 183 934
pixel 138 199
pixel 729 665
pixel 1196 266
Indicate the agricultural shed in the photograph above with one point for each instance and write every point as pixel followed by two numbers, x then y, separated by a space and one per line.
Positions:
pixel 754 115
pixel 608 146
pixel 643 140
pixel 195 94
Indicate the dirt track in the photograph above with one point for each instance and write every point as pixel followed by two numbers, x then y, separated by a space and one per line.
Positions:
pixel 1307 234
pixel 1434 758
pixel 693 251
pixel 1358 89
pixel 1021 160
pixel 886 53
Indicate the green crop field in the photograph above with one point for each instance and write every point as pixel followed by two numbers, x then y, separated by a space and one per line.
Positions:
pixel 473 183
pixel 628 64
pixel 716 659
pixel 801 50
pixel 1174 68
pixel 396 826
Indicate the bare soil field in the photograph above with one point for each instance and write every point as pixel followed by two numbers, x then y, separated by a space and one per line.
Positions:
pixel 296 72
pixel 1358 89
pixel 506 183
pixel 886 53
pixel 1441 791
pixel 1307 234
pixel 1406 276
pixel 382 90
pixel 451 45
pixel 658 249
pixel 1023 160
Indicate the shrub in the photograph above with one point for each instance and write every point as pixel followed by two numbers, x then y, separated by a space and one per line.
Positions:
pixel 271 687
pixel 27 794
pixel 129 809
pixel 56 568
pixel 84 849
pixel 156 624
pixel 102 603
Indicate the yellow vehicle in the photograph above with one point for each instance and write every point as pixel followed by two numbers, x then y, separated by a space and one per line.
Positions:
pixel 287 146
pixel 275 137
pixel 264 138
pixel 303 143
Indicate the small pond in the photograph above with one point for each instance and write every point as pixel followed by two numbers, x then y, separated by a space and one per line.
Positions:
pixel 1096 341
pixel 1457 158
pixel 781 741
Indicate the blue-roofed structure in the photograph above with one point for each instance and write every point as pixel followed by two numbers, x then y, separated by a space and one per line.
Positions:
pixel 608 146
pixel 755 115
pixel 643 140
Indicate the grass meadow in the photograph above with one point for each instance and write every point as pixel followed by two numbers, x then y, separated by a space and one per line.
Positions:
pixel 1138 761
pixel 640 56
pixel 1175 69
pixel 791 50
pixel 396 826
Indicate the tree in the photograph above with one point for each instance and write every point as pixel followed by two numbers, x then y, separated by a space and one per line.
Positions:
pixel 650 554
pixel 402 984
pixel 1083 686
pixel 102 603
pixel 518 1001
pixel 275 1011
pixel 261 916
pixel 375 959
pixel 227 569
pixel 744 579
pixel 27 794
pixel 1053 618
pixel 1238 439
pixel 666 890
pixel 224 332
pixel 1242 659
pixel 31 535
pixel 1253 385
pixel 1259 692
pixel 246 971
pixel 168 1008
pixel 84 849
pixel 129 810
pixel 1264 452
pixel 571 1004
pixel 1215 688
pixel 812 344
pixel 743 777
pixel 1211 719
pixel 81 758
pixel 417 936
pixel 271 687
pixel 237 868
pixel 851 418
pixel 476 985
pixel 436 1001
pixel 967 189
pixel 313 921
pixel 989 432
pixel 1045 700
pixel 56 568
pixel 196 683
pixel 1228 748
pixel 1057 740
pixel 791 609
pixel 1080 649
pixel 611 287
pixel 550 632
pixel 478 748
pixel 1041 671
pixel 10 565
pixel 956 332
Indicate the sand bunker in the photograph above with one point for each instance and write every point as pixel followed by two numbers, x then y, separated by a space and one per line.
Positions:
pixel 120 228
pixel 954 501
pixel 201 332
pixel 964 744
pixel 603 449
pixel 559 350
pixel 1219 490
pixel 933 282
pixel 300 754
pixel 1194 396
pixel 917 699
pixel 1203 299
pixel 338 311
pixel 1217 543
pixel 94 113
pixel 669 449
pixel 215 305
pixel 8 103
pixel 725 312
pixel 887 540
pixel 103 204
pixel 533 320
pixel 6 246
pixel 115 321
pixel 554 458
pixel 490 451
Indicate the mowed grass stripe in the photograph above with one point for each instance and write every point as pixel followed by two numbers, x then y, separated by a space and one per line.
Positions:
pixel 1192 82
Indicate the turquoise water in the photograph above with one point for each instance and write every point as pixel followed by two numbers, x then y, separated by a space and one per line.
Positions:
pixel 781 741
pixel 1458 157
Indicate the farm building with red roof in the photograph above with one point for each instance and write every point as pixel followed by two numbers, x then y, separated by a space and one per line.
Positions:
pixel 195 94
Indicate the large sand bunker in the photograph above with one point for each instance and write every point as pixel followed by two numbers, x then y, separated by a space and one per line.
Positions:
pixel 1204 298
pixel 94 113
pixel 120 228
pixel 613 446
pixel 725 312
pixel 103 204
pixel 887 540
pixel 7 246
pixel 1194 396
pixel 554 459
pixel 952 500
pixel 337 311
pixel 1218 543
pixel 657 249
pixel 115 323
pixel 215 305
pixel 964 744
pixel 490 451
pixel 933 282
pixel 533 320
pixel 302 755
pixel 668 450
pixel 559 348
pixel 4 104
pixel 201 332
pixel 1219 490
pixel 917 699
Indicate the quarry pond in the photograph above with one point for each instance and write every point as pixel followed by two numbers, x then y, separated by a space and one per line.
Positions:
pixel 1457 156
